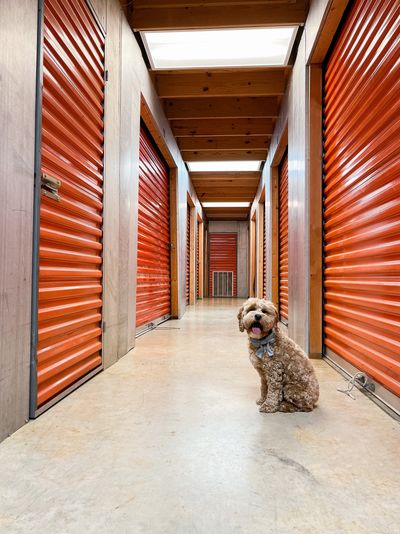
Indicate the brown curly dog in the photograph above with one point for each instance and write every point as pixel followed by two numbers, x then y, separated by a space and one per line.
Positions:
pixel 288 381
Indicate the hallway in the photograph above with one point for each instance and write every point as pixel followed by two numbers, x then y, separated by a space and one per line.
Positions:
pixel 169 440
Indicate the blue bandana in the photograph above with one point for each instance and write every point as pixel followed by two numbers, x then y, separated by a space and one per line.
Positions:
pixel 264 345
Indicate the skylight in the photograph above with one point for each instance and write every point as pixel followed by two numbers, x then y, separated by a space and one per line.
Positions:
pixel 226 204
pixel 223 166
pixel 246 47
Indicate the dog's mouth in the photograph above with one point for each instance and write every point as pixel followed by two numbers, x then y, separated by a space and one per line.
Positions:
pixel 256 328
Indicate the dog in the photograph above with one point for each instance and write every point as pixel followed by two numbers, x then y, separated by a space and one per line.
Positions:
pixel 288 380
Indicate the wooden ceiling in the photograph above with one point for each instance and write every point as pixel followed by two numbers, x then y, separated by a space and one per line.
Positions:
pixel 221 114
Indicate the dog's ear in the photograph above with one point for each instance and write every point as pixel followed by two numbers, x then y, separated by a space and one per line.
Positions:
pixel 240 319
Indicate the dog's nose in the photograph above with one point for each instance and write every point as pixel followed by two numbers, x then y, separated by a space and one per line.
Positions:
pixel 257 317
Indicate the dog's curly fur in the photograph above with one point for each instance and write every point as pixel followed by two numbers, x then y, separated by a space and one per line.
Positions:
pixel 288 381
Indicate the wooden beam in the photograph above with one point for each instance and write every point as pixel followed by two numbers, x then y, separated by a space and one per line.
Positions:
pixel 224 143
pixel 202 16
pixel 221 176
pixel 209 186
pixel 222 107
pixel 221 127
pixel 223 155
pixel 227 82
pixel 206 3
pixel 248 197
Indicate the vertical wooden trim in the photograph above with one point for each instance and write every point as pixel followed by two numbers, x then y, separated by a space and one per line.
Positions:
pixel 275 235
pixel 260 250
pixel 315 211
pixel 252 278
pixel 201 259
pixel 192 278
pixel 206 262
pixel 174 243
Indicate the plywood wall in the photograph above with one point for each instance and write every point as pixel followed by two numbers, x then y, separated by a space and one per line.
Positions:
pixel 17 119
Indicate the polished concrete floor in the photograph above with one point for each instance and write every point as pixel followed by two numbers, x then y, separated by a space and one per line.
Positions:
pixel 169 440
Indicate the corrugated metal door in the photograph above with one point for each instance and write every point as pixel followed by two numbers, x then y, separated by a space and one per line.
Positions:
pixel 198 261
pixel 188 226
pixel 283 241
pixel 153 290
pixel 264 292
pixel 362 192
pixel 223 257
pixel 70 276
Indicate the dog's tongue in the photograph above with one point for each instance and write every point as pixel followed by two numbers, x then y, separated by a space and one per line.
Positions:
pixel 256 330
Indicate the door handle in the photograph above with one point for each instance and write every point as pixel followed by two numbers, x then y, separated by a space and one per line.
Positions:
pixel 49 186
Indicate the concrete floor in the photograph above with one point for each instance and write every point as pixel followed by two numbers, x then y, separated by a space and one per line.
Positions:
pixel 169 440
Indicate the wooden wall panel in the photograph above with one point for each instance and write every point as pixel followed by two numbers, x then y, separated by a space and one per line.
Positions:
pixel 298 205
pixel 111 185
pixel 17 117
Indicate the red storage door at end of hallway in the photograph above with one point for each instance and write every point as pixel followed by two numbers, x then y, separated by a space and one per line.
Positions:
pixel 223 265
pixel 362 192
pixel 69 337
pixel 283 241
pixel 153 292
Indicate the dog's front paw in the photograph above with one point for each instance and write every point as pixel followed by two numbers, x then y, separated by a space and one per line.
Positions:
pixel 266 407
pixel 260 401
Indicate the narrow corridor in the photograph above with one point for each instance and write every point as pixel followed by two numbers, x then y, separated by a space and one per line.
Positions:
pixel 169 440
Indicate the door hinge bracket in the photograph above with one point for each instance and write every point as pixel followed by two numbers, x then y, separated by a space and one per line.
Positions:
pixel 103 326
pixel 106 75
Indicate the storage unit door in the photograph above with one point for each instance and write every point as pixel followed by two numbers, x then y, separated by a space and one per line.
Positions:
pixel 362 192
pixel 70 250
pixel 283 241
pixel 188 255
pixel 264 292
pixel 198 261
pixel 153 289
pixel 223 261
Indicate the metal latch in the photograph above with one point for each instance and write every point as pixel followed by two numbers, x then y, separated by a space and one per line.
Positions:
pixel 49 186
pixel 362 380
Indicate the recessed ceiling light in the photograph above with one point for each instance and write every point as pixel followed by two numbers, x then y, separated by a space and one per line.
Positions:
pixel 226 204
pixel 223 166
pixel 245 47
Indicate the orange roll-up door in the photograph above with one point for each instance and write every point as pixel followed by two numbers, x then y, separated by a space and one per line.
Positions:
pixel 198 261
pixel 70 249
pixel 223 259
pixel 153 289
pixel 188 255
pixel 264 292
pixel 283 241
pixel 362 192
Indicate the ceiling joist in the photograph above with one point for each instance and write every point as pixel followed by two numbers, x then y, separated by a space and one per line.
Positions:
pixel 225 155
pixel 214 83
pixel 203 15
pixel 220 127
pixel 222 107
pixel 223 143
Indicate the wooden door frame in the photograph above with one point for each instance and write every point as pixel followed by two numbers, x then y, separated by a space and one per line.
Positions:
pixel 252 255
pixel 201 255
pixel 260 245
pixel 154 130
pixel 192 251
pixel 315 58
pixel 274 195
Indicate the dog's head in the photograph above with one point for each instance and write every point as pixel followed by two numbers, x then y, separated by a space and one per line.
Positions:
pixel 258 317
